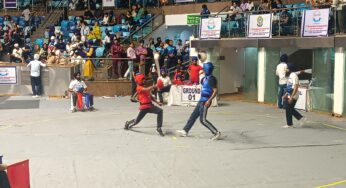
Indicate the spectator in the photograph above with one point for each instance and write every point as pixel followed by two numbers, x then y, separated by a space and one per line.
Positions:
pixel 178 80
pixel 78 86
pixel 35 75
pixel 61 45
pixel 281 73
pixel 44 53
pixel 164 84
pixel 134 10
pixel 153 73
pixel 131 53
pixel 194 70
pixel 89 66
pixel 129 20
pixel 105 20
pixel 171 52
pixel 179 48
pixel 98 13
pixel 158 42
pixel 340 6
pixel 141 51
pixel 73 4
pixel 88 14
pixel 26 13
pixel 161 50
pixel 84 31
pixel 97 31
pixel 205 11
pixel 107 42
pixel 264 7
pixel 244 6
pixel 117 51
pixel 16 55
pixel 285 22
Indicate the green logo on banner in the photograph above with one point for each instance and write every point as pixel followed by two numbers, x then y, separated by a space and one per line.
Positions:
pixel 193 19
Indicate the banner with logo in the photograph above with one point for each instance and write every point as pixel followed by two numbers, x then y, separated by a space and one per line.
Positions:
pixel 210 28
pixel 315 23
pixel 108 3
pixel 10 3
pixel 8 75
pixel 260 26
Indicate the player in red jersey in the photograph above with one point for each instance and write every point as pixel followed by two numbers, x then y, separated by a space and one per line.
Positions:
pixel 146 106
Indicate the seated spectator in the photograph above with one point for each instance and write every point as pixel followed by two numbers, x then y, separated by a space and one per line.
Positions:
pixel 88 14
pixel 16 55
pixel 44 53
pixel 285 22
pixel 78 86
pixel 84 31
pixel 98 13
pixel 105 20
pixel 178 80
pixel 194 70
pixel 264 7
pixel 61 45
pixel 97 31
pixel 163 84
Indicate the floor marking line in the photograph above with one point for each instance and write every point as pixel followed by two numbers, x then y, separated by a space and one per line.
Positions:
pixel 332 184
pixel 333 126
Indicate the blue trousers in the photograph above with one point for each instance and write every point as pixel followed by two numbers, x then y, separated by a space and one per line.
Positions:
pixel 201 112
pixel 282 89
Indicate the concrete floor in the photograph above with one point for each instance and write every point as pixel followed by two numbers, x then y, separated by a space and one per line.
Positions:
pixel 91 149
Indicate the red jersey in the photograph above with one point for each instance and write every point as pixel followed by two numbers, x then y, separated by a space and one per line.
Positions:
pixel 143 98
pixel 194 72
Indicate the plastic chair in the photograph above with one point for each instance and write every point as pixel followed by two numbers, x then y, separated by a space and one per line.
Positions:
pixel 116 28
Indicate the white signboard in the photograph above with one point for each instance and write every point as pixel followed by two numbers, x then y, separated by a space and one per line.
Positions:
pixel 301 102
pixel 108 3
pixel 210 28
pixel 8 75
pixel 190 93
pixel 315 23
pixel 260 26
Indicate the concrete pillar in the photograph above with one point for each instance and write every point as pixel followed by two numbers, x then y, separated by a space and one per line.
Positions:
pixel 339 75
pixel 261 77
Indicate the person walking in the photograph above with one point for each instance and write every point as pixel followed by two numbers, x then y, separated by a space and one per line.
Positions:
pixel 35 75
pixel 208 93
pixel 281 73
pixel 146 106
pixel 291 96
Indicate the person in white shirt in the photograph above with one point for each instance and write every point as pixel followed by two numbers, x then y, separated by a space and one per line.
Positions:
pixel 16 55
pixel 78 86
pixel 164 84
pixel 26 13
pixel 84 31
pixel 281 73
pixel 131 53
pixel 291 96
pixel 35 75
pixel 105 20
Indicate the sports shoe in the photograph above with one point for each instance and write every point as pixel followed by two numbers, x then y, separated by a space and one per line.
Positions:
pixel 288 126
pixel 182 133
pixel 302 121
pixel 216 136
pixel 126 127
pixel 72 110
pixel 159 130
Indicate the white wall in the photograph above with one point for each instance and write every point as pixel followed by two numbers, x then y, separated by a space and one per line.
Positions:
pixel 231 70
pixel 173 32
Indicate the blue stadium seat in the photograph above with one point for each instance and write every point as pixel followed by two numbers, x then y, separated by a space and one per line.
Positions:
pixel 64 24
pixel 125 34
pixel 116 28
pixel 100 51
pixel 15 19
pixel 103 29
pixel 72 18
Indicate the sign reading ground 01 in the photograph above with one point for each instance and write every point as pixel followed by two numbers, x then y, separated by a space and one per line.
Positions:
pixel 190 93
pixel 193 19
pixel 8 75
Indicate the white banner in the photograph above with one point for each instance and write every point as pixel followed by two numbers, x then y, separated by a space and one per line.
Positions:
pixel 108 3
pixel 210 28
pixel 260 26
pixel 301 102
pixel 315 23
pixel 8 75
pixel 190 93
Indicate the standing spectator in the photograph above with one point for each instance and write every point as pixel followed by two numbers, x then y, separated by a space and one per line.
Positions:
pixel 142 53
pixel 107 42
pixel 116 51
pixel 205 11
pixel 281 73
pixel 158 42
pixel 131 53
pixel 35 75
pixel 179 48
pixel 194 70
pixel 16 55
pixel 163 84
pixel 89 66
pixel 264 7
pixel 340 6
pixel 291 96
pixel 171 52
pixel 26 13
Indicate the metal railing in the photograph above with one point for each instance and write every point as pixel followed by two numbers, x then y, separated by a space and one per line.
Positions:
pixel 285 21
pixel 145 29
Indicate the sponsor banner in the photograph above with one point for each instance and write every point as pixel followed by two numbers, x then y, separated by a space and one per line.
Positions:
pixel 260 26
pixel 315 23
pixel 108 3
pixel 193 19
pixel 210 28
pixel 184 1
pixel 10 3
pixel 8 75
pixel 190 93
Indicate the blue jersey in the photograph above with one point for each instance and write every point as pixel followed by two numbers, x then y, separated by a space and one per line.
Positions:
pixel 208 84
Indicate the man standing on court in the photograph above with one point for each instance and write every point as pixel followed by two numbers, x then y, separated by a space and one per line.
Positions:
pixel 208 93
pixel 35 75
pixel 281 73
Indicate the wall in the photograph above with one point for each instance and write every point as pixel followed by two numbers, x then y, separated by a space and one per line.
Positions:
pixel 173 32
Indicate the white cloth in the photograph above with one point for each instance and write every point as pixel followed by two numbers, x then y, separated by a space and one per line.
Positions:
pixel 35 68
pixel 105 20
pixel 85 30
pixel 166 81
pixel 76 85
pixel 292 81
pixel 106 40
pixel 281 73
pixel 26 14
pixel 17 52
pixel 131 53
